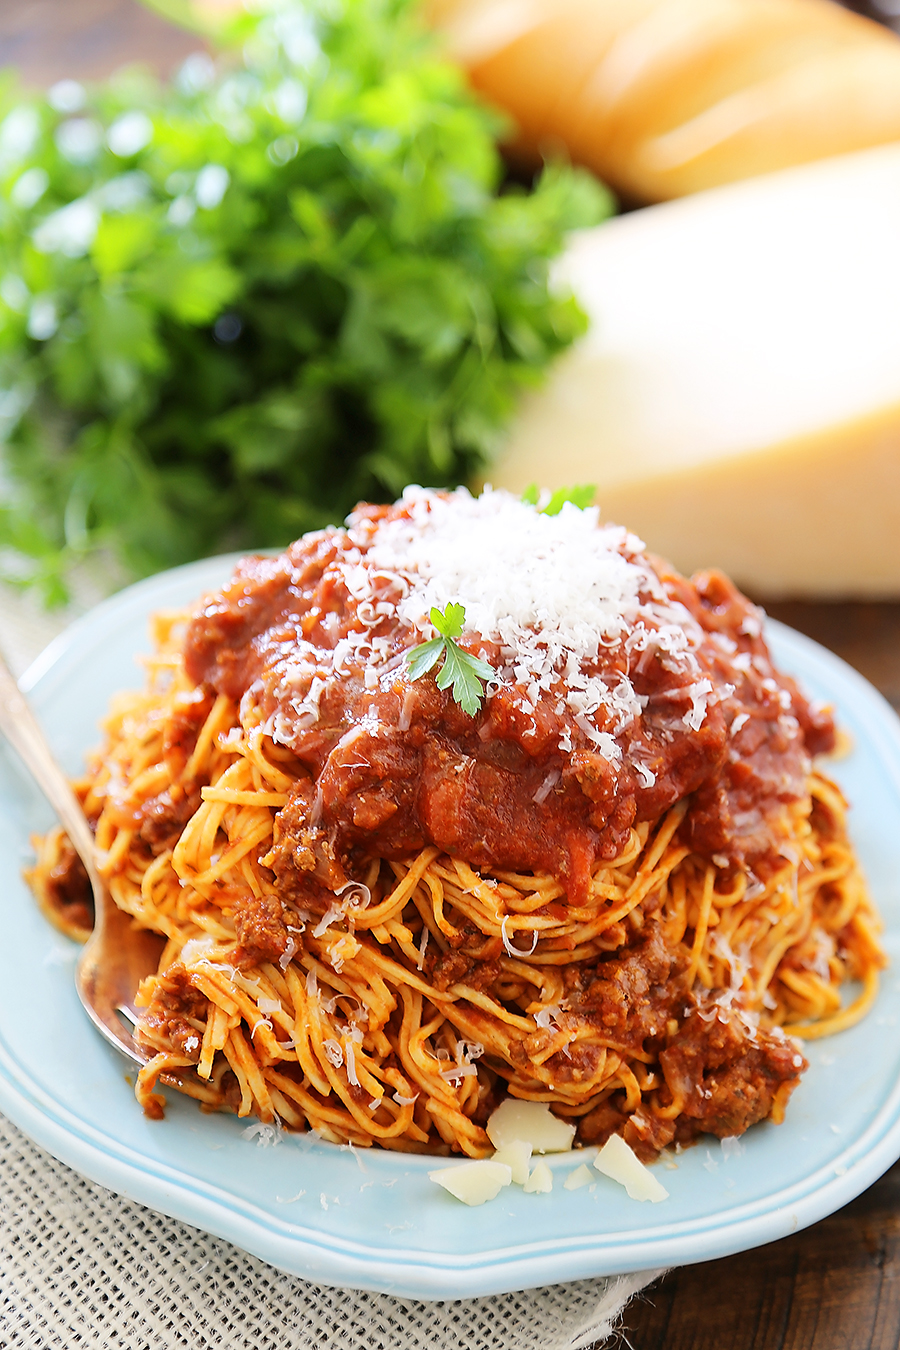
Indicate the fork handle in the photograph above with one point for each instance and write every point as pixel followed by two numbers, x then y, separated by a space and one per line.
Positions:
pixel 19 726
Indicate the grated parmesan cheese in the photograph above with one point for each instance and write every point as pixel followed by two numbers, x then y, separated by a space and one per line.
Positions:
pixel 288 954
pixel 266 1136
pixel 196 949
pixel 510 949
pixel 405 1101
pixel 459 1071
pixel 550 593
pixel 331 915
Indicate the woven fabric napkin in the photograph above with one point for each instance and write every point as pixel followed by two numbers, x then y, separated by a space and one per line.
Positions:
pixel 80 1266
pixel 83 1267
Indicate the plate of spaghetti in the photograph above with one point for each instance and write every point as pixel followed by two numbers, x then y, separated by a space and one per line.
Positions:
pixel 470 801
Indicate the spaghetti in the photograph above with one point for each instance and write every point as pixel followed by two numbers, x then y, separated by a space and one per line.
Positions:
pixel 613 889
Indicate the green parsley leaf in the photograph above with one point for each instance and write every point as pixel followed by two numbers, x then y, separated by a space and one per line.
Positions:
pixel 422 658
pixel 461 672
pixel 581 497
pixel 450 623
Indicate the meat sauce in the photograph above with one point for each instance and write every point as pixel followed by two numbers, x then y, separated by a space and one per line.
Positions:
pixel 394 764
pixel 314 646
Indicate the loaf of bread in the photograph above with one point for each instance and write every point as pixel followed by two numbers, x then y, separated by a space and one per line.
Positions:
pixel 666 97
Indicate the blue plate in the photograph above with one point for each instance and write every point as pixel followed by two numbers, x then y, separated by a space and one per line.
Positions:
pixel 373 1220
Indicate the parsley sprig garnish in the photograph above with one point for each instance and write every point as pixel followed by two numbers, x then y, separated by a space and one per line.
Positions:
pixel 580 496
pixel 463 673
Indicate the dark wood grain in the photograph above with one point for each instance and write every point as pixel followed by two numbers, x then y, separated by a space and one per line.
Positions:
pixel 835 1286
pixel 49 40
pixel 867 636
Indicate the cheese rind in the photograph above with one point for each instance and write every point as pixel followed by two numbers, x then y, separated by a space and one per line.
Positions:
pixel 737 397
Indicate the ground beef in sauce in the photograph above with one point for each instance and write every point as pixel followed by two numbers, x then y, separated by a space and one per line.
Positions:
pixel 68 894
pixel 726 1073
pixel 726 1069
pixel 728 1079
pixel 162 819
pixel 261 930
pixel 625 994
pixel 169 1019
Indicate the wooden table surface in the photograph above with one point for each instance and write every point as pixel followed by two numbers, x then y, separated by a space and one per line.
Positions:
pixel 835 1286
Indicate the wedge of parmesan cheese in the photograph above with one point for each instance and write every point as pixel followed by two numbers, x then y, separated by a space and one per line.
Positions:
pixel 616 1161
pixel 473 1182
pixel 737 397
pixel 532 1122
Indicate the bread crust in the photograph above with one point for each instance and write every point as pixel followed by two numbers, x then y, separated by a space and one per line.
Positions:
pixel 666 97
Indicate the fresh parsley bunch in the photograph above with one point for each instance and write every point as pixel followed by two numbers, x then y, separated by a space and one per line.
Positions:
pixel 231 308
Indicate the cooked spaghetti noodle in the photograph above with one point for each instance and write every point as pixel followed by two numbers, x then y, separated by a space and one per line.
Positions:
pixel 381 944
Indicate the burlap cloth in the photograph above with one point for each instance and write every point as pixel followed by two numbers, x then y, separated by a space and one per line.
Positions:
pixel 83 1267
